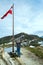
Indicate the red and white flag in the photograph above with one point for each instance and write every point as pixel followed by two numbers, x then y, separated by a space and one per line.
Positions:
pixel 8 12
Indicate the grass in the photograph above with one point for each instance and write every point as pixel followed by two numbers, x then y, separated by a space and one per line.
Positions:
pixel 37 51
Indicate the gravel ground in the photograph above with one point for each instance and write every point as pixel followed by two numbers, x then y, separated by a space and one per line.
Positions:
pixel 29 58
pixel 2 62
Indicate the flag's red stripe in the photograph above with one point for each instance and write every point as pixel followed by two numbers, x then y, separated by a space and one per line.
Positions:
pixel 9 11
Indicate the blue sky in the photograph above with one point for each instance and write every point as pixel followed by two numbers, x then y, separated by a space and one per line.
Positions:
pixel 28 17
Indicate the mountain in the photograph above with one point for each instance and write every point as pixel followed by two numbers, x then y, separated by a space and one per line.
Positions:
pixel 26 36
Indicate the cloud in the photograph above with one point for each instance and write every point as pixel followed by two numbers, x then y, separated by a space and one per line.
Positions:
pixel 28 16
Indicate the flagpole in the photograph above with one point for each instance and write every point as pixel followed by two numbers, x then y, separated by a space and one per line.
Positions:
pixel 13 30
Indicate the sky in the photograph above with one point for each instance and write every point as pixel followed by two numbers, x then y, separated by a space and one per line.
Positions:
pixel 28 17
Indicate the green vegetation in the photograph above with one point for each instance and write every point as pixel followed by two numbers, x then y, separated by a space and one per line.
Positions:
pixel 37 51
pixel 34 43
pixel 5 39
pixel 8 39
pixel 26 36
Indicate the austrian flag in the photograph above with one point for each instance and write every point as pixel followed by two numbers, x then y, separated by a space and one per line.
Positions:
pixel 8 12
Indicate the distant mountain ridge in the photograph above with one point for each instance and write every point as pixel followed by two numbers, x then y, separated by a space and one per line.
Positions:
pixel 26 36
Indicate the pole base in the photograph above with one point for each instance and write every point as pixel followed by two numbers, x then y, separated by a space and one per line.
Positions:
pixel 12 54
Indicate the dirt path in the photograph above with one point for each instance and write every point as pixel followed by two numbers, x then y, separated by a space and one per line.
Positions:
pixel 29 58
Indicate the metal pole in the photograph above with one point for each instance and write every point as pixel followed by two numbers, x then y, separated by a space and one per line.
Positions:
pixel 13 30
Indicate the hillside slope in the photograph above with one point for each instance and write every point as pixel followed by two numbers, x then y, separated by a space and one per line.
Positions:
pixel 26 36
